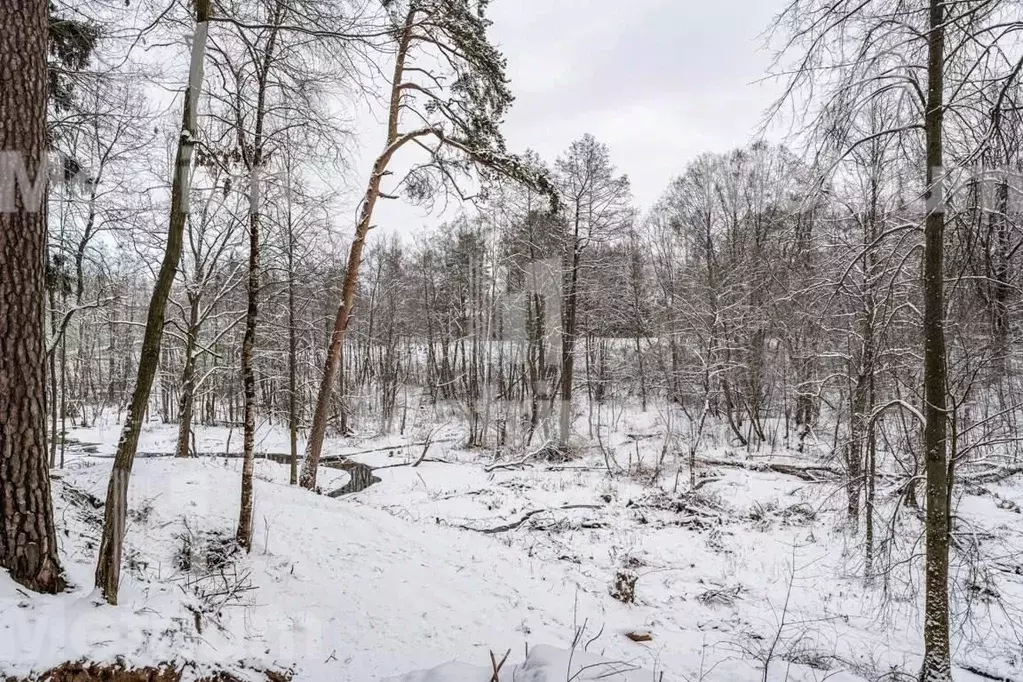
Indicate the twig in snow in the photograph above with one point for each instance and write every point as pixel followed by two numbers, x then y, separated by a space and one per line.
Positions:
pixel 427 443
pixel 508 465
pixel 784 614
pixel 497 666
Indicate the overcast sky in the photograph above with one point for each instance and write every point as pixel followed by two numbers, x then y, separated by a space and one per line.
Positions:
pixel 658 81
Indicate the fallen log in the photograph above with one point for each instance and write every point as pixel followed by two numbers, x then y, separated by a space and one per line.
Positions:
pixel 508 465
pixel 386 448
pixel 991 475
pixel 528 515
pixel 987 675
pixel 434 460
pixel 814 473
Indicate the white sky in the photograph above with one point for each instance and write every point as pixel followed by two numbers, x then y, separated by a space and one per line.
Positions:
pixel 658 81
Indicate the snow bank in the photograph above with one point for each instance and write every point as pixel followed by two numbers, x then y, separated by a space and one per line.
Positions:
pixel 543 664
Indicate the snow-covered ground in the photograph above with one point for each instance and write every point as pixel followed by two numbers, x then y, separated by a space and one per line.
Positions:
pixel 428 566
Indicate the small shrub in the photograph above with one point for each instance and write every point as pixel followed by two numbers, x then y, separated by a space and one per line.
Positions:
pixel 624 586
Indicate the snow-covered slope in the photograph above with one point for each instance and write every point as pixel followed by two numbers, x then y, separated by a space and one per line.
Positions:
pixel 753 570
pixel 336 590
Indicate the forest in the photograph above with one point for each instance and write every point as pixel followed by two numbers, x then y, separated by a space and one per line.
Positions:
pixel 307 373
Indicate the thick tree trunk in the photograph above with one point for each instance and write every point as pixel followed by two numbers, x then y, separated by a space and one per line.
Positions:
pixel 108 566
pixel 937 664
pixel 28 546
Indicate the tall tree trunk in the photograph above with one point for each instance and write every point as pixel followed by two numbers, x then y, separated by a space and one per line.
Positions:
pixel 870 486
pixel 568 341
pixel 63 397
pixel 28 547
pixel 636 276
pixel 108 566
pixel 860 414
pixel 54 329
pixel 998 231
pixel 344 312
pixel 244 534
pixel 292 349
pixel 936 665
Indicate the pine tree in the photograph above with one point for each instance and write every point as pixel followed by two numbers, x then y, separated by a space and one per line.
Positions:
pixel 27 537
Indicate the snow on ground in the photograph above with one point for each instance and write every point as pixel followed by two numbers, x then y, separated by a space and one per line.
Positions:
pixel 340 591
pixel 752 568
pixel 158 437
pixel 541 664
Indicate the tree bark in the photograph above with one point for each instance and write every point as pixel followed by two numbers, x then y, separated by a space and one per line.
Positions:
pixel 255 164
pixel 568 340
pixel 28 546
pixel 108 566
pixel 937 664
pixel 244 533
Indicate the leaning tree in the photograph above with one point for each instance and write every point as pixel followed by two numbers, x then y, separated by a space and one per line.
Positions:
pixel 447 97
pixel 108 565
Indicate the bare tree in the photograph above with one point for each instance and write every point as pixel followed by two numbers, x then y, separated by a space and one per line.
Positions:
pixel 937 56
pixel 108 566
pixel 596 202
pixel 208 280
